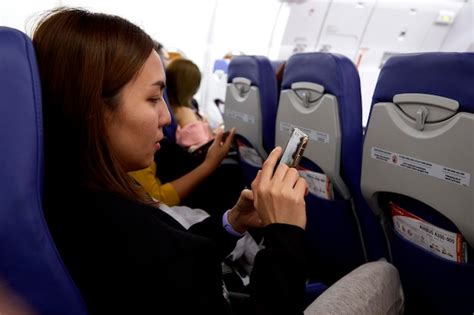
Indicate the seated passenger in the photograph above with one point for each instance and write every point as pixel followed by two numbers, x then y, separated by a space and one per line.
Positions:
pixel 183 80
pixel 102 86
pixel 198 180
pixel 173 192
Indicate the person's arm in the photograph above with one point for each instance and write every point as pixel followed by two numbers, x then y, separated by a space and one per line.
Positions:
pixel 278 279
pixel 152 185
pixel 185 184
pixel 212 229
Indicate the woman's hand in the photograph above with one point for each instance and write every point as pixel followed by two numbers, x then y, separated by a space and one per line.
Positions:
pixel 218 128
pixel 243 215
pixel 218 149
pixel 279 197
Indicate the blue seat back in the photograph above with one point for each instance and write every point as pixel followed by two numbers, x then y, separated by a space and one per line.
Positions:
pixel 255 107
pixel 250 107
pixel 276 64
pixel 421 121
pixel 221 64
pixel 29 261
pixel 321 95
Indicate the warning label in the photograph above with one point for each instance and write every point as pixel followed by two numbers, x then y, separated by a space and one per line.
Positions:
pixel 246 118
pixel 312 134
pixel 435 170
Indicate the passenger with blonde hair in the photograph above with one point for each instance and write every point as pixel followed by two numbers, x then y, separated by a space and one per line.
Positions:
pixel 183 80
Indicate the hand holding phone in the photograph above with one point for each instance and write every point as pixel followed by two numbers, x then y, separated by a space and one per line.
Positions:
pixel 279 193
pixel 294 148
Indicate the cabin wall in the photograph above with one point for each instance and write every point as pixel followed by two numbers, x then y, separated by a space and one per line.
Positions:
pixel 368 32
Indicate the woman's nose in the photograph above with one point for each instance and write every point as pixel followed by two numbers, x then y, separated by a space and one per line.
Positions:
pixel 165 116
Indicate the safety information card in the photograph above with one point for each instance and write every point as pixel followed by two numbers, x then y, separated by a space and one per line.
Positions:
pixel 318 184
pixel 440 242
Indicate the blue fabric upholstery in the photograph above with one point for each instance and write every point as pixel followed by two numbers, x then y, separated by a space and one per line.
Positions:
pixel 221 64
pixel 432 285
pixel 449 75
pixel 340 78
pixel 29 262
pixel 170 130
pixel 260 72
pixel 276 64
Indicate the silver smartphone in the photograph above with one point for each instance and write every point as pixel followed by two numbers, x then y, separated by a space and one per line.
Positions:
pixel 294 148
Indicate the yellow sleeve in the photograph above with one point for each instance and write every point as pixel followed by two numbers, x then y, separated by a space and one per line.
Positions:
pixel 152 185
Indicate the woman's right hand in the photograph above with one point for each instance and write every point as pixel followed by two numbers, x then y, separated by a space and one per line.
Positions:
pixel 279 197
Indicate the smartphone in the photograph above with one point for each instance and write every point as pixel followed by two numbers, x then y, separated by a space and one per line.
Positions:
pixel 294 148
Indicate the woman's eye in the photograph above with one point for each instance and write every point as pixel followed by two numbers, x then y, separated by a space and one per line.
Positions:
pixel 154 100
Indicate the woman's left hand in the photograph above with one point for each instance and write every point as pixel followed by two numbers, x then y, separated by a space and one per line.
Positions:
pixel 218 149
pixel 243 215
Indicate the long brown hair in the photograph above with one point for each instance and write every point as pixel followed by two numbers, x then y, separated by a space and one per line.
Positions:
pixel 183 79
pixel 85 59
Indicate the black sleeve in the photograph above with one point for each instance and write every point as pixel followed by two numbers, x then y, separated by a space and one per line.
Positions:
pixel 279 274
pixel 212 228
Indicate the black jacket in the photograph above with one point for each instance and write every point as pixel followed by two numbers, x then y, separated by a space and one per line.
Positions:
pixel 128 258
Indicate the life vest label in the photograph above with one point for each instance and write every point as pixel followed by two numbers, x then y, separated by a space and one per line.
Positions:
pixel 445 173
pixel 314 135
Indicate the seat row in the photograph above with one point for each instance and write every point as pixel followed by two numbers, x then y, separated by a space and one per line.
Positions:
pixel 402 191
pixel 416 158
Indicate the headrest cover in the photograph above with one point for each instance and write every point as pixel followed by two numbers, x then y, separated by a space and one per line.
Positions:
pixel 449 75
pixel 255 68
pixel 321 68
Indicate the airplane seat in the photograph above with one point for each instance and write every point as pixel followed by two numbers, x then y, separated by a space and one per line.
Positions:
pixel 250 106
pixel 213 105
pixel 29 262
pixel 221 64
pixel 276 64
pixel 279 68
pixel 418 159
pixel 321 96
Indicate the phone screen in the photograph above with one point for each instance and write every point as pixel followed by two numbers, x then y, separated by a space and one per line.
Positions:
pixel 294 148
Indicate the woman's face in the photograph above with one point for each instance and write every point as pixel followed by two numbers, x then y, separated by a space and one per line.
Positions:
pixel 135 128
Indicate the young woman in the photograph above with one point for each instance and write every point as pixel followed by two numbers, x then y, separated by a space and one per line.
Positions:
pixel 103 108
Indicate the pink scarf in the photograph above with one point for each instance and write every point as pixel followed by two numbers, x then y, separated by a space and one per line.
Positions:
pixel 194 134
